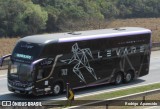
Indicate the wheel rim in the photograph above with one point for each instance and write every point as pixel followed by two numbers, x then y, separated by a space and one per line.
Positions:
pixel 57 89
pixel 128 77
pixel 118 79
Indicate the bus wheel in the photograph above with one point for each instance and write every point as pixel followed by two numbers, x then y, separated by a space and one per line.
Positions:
pixel 57 89
pixel 128 77
pixel 118 78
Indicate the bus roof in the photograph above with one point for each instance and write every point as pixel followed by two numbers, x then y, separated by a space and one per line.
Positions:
pixel 84 35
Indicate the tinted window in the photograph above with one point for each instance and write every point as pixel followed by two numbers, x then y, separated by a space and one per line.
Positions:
pixel 26 51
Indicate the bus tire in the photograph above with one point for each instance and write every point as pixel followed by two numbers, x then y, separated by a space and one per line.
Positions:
pixel 118 78
pixel 128 77
pixel 57 88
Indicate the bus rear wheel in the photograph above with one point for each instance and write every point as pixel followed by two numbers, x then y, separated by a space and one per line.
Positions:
pixel 128 77
pixel 57 89
pixel 118 78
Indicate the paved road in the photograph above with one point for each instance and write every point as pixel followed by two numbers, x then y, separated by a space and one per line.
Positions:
pixel 152 77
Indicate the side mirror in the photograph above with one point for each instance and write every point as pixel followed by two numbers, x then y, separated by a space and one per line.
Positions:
pixel 1 61
pixel 3 58
pixel 36 62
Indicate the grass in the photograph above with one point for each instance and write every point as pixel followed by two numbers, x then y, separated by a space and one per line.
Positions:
pixel 124 92
pixel 7 44
pixel 153 97
pixel 113 94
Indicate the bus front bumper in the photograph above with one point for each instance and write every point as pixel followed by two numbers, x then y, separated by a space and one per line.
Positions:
pixel 27 90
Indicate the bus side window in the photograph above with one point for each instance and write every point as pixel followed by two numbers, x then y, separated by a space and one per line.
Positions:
pixel 42 73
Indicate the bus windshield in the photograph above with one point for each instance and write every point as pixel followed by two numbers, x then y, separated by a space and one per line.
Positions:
pixel 26 52
pixel 20 71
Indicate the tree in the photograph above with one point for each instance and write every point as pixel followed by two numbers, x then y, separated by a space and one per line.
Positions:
pixel 35 18
pixel 109 9
pixel 69 16
pixel 53 14
pixel 10 16
pixel 21 17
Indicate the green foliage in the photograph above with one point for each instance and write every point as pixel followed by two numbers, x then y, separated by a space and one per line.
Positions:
pixel 35 18
pixel 52 19
pixel 23 17
pixel 10 16
pixel 109 9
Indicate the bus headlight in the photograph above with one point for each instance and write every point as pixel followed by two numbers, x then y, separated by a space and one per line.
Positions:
pixel 29 88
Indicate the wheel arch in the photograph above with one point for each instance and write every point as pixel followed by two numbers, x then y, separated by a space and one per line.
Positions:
pixel 121 72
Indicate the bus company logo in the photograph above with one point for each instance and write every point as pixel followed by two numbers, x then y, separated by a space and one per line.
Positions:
pixel 122 51
pixel 47 62
pixel 27 46
pixel 6 103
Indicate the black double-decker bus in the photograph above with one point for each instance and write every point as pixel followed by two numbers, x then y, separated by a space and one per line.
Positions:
pixel 43 64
